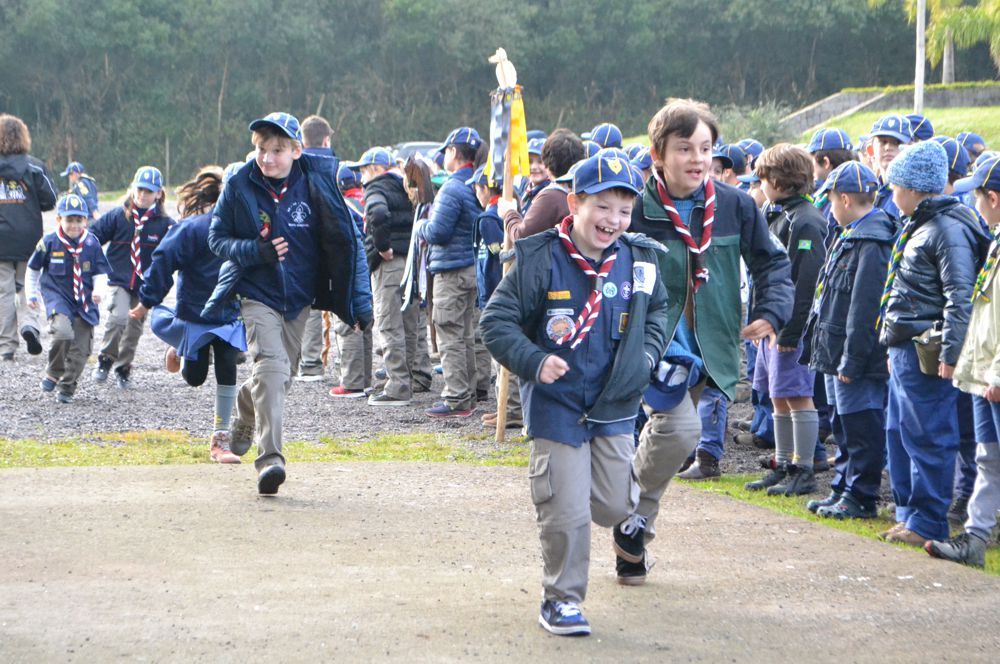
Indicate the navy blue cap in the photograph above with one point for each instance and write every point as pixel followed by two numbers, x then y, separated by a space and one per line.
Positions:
pixel 677 373
pixel 462 136
pixel 568 175
pixel 148 177
pixel 72 167
pixel 752 147
pixel 829 139
pixel 851 177
pixel 974 143
pixel 605 170
pixel 536 133
pixel 893 126
pixel 958 157
pixel 734 154
pixel 479 177
pixel 643 160
pixel 717 153
pixel 374 157
pixel 632 149
pixel 591 147
pixel 72 205
pixel 987 174
pixel 347 177
pixel 535 146
pixel 607 135
pixel 920 127
pixel 286 122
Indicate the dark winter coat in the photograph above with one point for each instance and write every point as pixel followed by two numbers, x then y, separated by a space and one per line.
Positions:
pixel 26 190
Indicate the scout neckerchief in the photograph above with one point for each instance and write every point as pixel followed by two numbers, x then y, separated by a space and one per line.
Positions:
pixel 74 251
pixel 138 223
pixel 836 251
pixel 979 290
pixel 590 310
pixel 698 259
pixel 277 197
pixel 894 260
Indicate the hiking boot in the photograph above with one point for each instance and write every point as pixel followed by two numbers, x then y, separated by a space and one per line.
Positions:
pixel 753 439
pixel 102 369
pixel 767 461
pixel 48 384
pixel 631 574
pixel 270 479
pixel 630 539
pixel 563 618
pixel 832 499
pixel 171 362
pixel 848 508
pixel 383 399
pixel 64 397
pixel 966 548
pixel 800 481
pixel 219 448
pixel 442 409
pixel 705 467
pixel 123 376
pixel 342 392
pixel 490 421
pixel 959 510
pixel 241 437
pixel 773 478
pixel 906 536
pixel 30 336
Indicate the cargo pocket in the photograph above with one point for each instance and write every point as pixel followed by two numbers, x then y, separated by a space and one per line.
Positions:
pixel 538 476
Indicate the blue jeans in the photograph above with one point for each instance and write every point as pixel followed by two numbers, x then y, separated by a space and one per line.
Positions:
pixel 965 469
pixel 713 411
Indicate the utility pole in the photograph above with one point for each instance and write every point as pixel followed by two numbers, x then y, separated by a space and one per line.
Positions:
pixel 918 74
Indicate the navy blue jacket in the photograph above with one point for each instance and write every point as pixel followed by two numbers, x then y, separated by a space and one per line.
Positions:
pixel 56 284
pixel 341 279
pixel 86 188
pixel 935 276
pixel 450 228
pixel 488 241
pixel 884 202
pixel 26 190
pixel 842 323
pixel 116 229
pixel 185 251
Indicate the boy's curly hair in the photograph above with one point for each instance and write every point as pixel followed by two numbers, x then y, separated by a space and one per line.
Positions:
pixel 201 192
pixel 14 135
pixel 787 167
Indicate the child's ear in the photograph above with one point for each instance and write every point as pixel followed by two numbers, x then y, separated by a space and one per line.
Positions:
pixel 993 197
pixel 573 202
pixel 297 152
pixel 654 155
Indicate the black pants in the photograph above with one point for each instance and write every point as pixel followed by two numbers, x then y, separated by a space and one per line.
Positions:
pixel 195 371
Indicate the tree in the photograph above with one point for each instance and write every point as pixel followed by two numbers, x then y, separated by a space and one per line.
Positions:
pixel 945 53
pixel 966 27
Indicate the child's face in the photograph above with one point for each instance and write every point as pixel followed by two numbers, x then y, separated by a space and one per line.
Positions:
pixel 885 149
pixel 686 161
pixel 72 227
pixel 483 195
pixel 716 170
pixel 73 177
pixel 757 194
pixel 907 200
pixel 771 192
pixel 845 210
pixel 143 198
pixel 988 204
pixel 600 219
pixel 821 168
pixel 275 157
pixel 538 172
pixel 370 172
pixel 451 159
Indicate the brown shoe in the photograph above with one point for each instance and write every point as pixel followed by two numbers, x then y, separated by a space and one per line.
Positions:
pixel 906 536
pixel 705 467
pixel 171 361
pixel 490 421
pixel 884 535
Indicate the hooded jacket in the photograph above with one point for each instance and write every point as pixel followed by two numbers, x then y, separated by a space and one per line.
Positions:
pixel 26 190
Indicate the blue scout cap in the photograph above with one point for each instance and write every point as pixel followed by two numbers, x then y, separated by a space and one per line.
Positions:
pixel 987 174
pixel 893 126
pixel 678 372
pixel 752 147
pixel 749 178
pixel 148 177
pixel 920 127
pixel 829 139
pixel 72 167
pixel 286 122
pixel 535 146
pixel 717 153
pixel 958 158
pixel 734 154
pixel 851 177
pixel 536 133
pixel 591 147
pixel 642 159
pixel 479 177
pixel 462 136
pixel 632 149
pixel 607 135
pixel 974 143
pixel 568 175
pixel 374 157
pixel 608 169
pixel 347 177
pixel 72 205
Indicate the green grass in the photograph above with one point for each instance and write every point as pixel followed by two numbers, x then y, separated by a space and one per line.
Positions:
pixel 961 85
pixel 175 447
pixel 984 120
pixel 732 486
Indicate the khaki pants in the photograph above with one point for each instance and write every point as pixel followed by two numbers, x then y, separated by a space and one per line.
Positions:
pixel 312 345
pixel 416 348
pixel 484 362
pixel 14 306
pixel 69 347
pixel 453 316
pixel 665 443
pixel 570 487
pixel 399 331
pixel 355 349
pixel 121 333
pixel 274 344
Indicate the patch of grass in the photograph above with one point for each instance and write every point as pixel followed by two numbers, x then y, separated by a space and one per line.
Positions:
pixel 159 447
pixel 732 486
pixel 984 120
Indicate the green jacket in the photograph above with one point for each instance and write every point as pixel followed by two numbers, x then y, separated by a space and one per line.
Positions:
pixel 739 231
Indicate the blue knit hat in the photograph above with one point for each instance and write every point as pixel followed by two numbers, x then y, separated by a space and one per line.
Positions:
pixel 923 167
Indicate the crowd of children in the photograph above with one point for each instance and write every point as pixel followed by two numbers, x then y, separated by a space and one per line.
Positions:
pixel 872 315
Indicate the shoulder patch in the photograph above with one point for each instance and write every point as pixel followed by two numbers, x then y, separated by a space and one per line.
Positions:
pixel 643 277
pixel 805 245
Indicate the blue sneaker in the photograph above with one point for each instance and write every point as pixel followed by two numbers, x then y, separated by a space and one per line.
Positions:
pixel 563 618
pixel 48 384
pixel 442 409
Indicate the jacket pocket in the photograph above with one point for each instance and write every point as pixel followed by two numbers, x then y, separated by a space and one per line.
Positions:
pixel 538 476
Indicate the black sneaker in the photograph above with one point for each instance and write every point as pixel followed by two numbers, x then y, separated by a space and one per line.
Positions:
pixel 832 499
pixel 848 508
pixel 773 478
pixel 102 369
pixel 632 574
pixel 959 510
pixel 270 479
pixel 966 548
pixel 123 376
pixel 30 336
pixel 801 480
pixel 630 539
pixel 563 618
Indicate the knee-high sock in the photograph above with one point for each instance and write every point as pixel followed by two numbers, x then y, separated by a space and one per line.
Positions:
pixel 805 430
pixel 225 399
pixel 783 437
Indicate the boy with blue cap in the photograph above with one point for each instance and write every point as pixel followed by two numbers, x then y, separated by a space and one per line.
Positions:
pixel 538 176
pixel 452 261
pixel 974 144
pixel 888 135
pixel 845 346
pixel 82 185
pixel 282 222
pixel 978 373
pixel 729 162
pixel 606 135
pixel 580 319
pixel 62 271
pixel 926 303
pixel 920 127
pixel 132 233
pixel 829 148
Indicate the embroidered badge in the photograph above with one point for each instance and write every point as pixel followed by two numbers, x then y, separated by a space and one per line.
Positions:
pixel 559 312
pixel 610 291
pixel 626 290
pixel 299 212
pixel 559 295
pixel 622 322
pixel 643 277
pixel 558 327
pixel 86 266
pixel 614 164
pixel 805 245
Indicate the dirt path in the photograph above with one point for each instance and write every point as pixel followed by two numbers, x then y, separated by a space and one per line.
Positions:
pixel 440 562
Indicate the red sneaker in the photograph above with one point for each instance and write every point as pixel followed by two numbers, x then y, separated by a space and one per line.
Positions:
pixel 220 450
pixel 344 393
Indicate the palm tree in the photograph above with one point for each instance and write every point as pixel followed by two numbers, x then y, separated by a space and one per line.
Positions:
pixel 966 26
pixel 945 50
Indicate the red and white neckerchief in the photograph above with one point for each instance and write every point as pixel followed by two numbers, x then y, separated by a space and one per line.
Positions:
pixel 277 197
pixel 74 250
pixel 590 310
pixel 138 224
pixel 698 258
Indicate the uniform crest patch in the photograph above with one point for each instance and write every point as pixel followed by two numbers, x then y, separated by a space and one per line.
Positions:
pixel 610 291
pixel 626 290
pixel 643 277
pixel 558 326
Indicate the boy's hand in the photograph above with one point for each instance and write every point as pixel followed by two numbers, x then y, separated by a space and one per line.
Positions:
pixel 280 247
pixel 504 206
pixel 33 303
pixel 272 251
pixel 844 379
pixel 759 329
pixel 138 311
pixel 945 371
pixel 992 394
pixel 553 368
